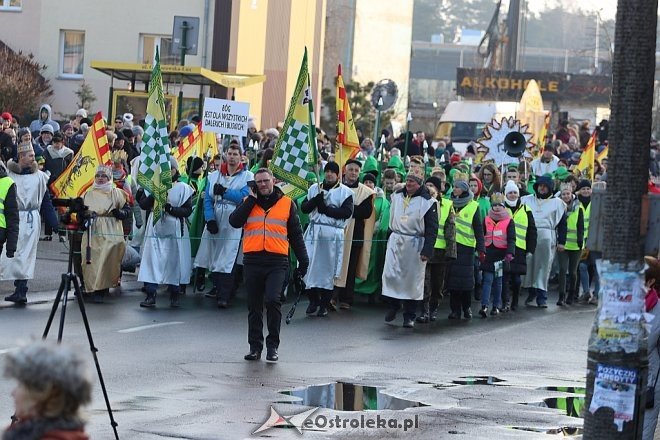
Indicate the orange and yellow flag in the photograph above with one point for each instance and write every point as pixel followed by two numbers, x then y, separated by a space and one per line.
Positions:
pixel 586 164
pixel 348 145
pixel 79 175
pixel 198 143
pixel 603 154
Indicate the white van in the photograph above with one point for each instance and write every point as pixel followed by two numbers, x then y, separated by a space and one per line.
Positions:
pixel 464 121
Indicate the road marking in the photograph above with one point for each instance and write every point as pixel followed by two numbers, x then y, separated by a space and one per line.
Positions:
pixel 147 327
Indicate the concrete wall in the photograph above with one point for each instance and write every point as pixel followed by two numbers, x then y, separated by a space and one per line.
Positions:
pixel 112 33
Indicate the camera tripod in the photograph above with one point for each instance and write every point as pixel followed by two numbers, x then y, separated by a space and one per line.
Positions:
pixel 62 297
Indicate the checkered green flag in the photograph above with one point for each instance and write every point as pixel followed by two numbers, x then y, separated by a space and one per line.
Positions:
pixel 154 172
pixel 294 158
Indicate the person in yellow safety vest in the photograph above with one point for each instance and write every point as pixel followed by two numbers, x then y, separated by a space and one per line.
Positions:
pixel 443 250
pixel 9 218
pixel 469 238
pixel 568 256
pixel 525 244
pixel 588 271
pixel 500 241
pixel 270 224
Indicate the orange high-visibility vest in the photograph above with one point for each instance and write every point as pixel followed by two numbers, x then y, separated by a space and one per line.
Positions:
pixel 496 232
pixel 266 230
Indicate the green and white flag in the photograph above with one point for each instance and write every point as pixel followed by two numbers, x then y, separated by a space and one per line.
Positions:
pixel 295 155
pixel 154 173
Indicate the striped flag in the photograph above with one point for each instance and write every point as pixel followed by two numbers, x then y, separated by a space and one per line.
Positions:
pixel 603 154
pixel 348 143
pixel 154 173
pixel 586 164
pixel 197 144
pixel 79 175
pixel 295 155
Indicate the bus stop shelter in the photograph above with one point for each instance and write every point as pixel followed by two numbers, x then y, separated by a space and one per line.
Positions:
pixel 138 75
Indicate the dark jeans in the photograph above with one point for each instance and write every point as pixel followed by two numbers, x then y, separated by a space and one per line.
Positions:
pixel 21 286
pixel 264 287
pixel 568 262
pixel 513 281
pixel 346 294
pixel 409 306
pixel 152 287
pixel 224 284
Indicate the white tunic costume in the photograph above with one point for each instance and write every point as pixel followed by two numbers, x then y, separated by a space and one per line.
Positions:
pixel 30 191
pixel 166 255
pixel 547 215
pixel 403 273
pixel 218 252
pixel 324 239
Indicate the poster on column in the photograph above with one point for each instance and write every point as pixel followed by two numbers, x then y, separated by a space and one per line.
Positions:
pixel 614 388
pixel 225 117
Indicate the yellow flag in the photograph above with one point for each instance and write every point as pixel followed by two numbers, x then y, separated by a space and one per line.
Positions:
pixel 531 112
pixel 603 154
pixel 586 164
pixel 79 175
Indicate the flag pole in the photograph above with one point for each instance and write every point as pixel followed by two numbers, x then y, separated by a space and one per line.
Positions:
pixel 339 142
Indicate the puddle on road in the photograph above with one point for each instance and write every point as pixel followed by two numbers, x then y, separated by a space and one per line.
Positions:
pixel 344 396
pixel 570 405
pixel 566 431
pixel 478 380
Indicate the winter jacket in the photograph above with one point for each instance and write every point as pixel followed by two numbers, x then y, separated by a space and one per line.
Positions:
pixel 37 124
pixel 9 235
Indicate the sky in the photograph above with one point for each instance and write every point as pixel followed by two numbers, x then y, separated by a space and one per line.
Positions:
pixel 607 7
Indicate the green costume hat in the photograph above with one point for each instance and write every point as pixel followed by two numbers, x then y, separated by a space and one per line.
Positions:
pixel 397 164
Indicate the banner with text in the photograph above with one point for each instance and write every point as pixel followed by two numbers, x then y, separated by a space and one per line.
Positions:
pixel 226 117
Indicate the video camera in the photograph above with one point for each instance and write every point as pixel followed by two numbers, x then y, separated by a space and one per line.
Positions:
pixel 78 215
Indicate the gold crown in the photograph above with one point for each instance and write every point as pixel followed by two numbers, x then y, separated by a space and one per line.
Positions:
pixel 24 147
pixel 497 199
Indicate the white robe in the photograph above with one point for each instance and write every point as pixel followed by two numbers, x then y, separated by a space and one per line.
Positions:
pixel 403 273
pixel 219 252
pixel 547 215
pixel 166 255
pixel 324 239
pixel 30 192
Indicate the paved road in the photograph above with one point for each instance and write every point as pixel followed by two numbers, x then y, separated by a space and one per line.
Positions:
pixel 181 373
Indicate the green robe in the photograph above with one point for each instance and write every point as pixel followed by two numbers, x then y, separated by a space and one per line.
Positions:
pixel 372 284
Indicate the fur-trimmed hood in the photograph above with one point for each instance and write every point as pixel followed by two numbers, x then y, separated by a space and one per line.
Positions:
pixel 16 169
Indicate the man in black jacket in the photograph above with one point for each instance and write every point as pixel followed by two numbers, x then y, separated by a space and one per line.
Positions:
pixel 270 223
pixel 9 219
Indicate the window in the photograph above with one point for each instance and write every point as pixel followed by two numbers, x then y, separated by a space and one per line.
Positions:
pixel 148 52
pixel 11 5
pixel 72 51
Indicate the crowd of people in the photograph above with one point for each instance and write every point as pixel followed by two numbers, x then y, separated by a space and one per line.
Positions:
pixel 409 222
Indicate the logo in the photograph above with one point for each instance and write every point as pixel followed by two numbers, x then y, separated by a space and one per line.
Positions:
pixel 293 421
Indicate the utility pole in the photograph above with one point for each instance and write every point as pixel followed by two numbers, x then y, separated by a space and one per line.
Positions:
pixel 617 364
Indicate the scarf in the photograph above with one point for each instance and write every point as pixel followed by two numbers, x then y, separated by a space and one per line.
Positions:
pixel 58 154
pixel 584 200
pixel 651 299
pixel 512 205
pixel 224 169
pixel 498 216
pixel 462 200
pixel 37 428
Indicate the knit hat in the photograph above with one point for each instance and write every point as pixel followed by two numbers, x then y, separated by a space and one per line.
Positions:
pixel 435 182
pixel 353 161
pixel 584 183
pixel 331 166
pixel 128 133
pixel 65 127
pixel 497 199
pixel 480 186
pixel 415 177
pixel 511 187
pixel 455 158
pixel 47 128
pixel 128 117
pixel 138 131
pixel 370 177
pixel 544 180
pixel 82 113
pixel 6 116
pixel 40 365
pixel 23 131
pixel 462 185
